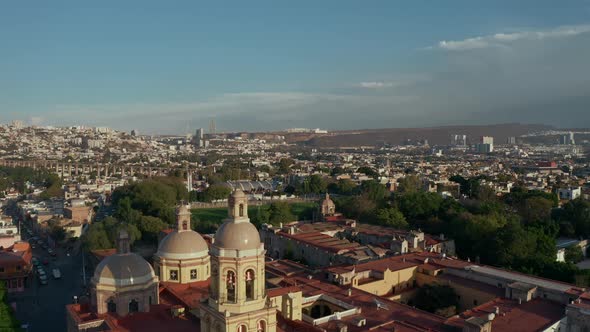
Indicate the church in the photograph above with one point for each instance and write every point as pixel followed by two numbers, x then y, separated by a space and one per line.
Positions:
pixel 125 289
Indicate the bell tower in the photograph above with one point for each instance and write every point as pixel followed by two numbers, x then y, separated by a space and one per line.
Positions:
pixel 237 297
pixel 183 218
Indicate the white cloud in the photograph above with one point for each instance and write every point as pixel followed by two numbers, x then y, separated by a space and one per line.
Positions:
pixel 375 85
pixel 504 39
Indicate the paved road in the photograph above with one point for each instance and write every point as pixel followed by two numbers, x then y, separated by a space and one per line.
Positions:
pixel 42 307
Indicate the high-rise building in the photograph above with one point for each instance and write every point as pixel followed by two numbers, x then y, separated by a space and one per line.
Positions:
pixel 459 140
pixel 511 140
pixel 567 139
pixel 200 138
pixel 486 145
pixel 212 126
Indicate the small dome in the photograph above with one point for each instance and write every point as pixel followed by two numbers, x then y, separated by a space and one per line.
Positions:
pixel 123 270
pixel 183 245
pixel 238 193
pixel 241 236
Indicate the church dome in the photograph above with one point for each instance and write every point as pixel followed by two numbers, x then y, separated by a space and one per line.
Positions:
pixel 238 193
pixel 123 270
pixel 237 235
pixel 183 245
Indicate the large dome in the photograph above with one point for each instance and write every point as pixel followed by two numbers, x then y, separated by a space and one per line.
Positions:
pixel 183 245
pixel 240 235
pixel 123 270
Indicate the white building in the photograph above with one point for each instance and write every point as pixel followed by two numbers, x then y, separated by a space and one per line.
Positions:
pixel 570 193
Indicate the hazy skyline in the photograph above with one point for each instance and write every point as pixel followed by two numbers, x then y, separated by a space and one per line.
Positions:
pixel 166 68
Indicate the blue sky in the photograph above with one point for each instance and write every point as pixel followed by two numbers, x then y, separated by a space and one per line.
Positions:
pixel 163 67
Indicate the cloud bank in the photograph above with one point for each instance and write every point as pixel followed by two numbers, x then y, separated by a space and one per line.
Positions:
pixel 505 39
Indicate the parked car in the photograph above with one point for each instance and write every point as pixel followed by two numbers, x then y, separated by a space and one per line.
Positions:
pixel 43 279
pixel 56 274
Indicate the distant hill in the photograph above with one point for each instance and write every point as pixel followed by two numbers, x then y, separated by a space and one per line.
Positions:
pixel 434 135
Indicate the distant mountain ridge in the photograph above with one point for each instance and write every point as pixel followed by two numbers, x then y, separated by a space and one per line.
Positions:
pixel 435 135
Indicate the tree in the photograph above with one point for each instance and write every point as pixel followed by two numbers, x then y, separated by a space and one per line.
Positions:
pixel 368 171
pixel 285 165
pixel 536 210
pixel 343 187
pixel 337 171
pixel 577 212
pixel 217 192
pixel 419 205
pixel 409 184
pixel 58 233
pixel 96 237
pixel 391 217
pixel 280 212
pixel 574 254
pixel 317 184
pixel 150 227
pixel 436 299
pixel 374 191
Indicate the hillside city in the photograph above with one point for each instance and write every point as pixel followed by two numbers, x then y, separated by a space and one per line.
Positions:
pixel 295 230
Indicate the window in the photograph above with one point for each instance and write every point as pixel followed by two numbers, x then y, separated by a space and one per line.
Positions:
pixel 18 267
pixel 250 285
pixel 231 286
pixel 241 210
pixel 261 326
pixel 173 274
pixel 111 306
pixel 133 306
pixel 184 225
pixel 474 302
pixel 242 328
pixel 193 274
pixel 1 270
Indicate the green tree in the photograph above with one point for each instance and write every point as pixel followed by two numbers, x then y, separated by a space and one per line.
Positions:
pixel 368 171
pixel 217 192
pixel 317 184
pixel 574 254
pixel 536 210
pixel 150 227
pixel 58 233
pixel 419 205
pixel 409 184
pixel 437 299
pixel 280 212
pixel 284 166
pixel 374 191
pixel 391 217
pixel 96 237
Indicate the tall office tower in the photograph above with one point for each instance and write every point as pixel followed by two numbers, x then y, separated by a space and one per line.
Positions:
pixel 459 140
pixel 212 126
pixel 511 140
pixel 200 138
pixel 486 145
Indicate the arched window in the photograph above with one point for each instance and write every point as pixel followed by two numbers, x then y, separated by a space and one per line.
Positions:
pixel 250 285
pixel 111 306
pixel 242 328
pixel 231 286
pixel 133 306
pixel 261 326
pixel 241 210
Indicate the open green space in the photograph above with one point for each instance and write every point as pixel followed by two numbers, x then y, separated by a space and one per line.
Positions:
pixel 207 219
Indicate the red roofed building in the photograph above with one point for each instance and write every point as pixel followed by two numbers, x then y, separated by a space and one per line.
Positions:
pixel 15 266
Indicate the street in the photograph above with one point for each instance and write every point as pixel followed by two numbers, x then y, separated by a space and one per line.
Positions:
pixel 42 307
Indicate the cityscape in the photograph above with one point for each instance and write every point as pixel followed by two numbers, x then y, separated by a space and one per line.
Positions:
pixel 254 168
